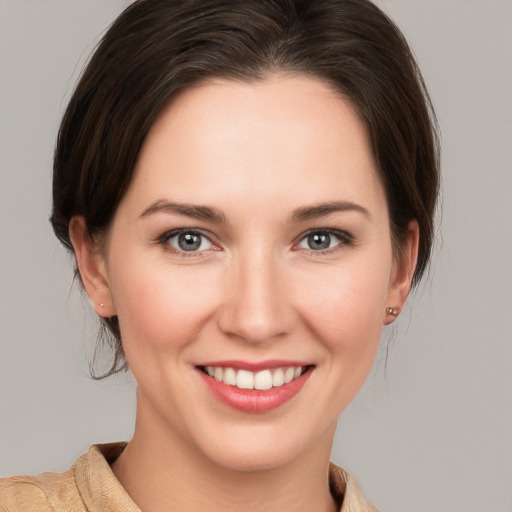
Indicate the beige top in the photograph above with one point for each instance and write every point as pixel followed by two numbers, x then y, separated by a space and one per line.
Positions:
pixel 90 486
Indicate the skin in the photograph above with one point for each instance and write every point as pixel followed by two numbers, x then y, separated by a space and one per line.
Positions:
pixel 254 291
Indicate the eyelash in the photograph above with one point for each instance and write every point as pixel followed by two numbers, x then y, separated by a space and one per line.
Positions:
pixel 344 238
pixel 166 237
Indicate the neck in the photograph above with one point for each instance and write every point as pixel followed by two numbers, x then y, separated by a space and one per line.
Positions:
pixel 163 472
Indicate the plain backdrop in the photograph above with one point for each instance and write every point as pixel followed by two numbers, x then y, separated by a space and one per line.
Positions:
pixel 431 431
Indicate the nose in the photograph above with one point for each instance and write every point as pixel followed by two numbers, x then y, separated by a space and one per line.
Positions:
pixel 257 305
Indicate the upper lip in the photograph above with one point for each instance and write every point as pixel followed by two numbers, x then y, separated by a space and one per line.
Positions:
pixel 256 366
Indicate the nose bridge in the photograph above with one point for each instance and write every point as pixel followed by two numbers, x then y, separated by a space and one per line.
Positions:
pixel 256 306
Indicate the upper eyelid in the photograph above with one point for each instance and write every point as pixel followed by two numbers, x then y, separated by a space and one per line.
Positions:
pixel 340 233
pixel 346 241
pixel 173 232
pixel 164 239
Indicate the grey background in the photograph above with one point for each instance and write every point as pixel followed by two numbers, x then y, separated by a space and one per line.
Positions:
pixel 432 428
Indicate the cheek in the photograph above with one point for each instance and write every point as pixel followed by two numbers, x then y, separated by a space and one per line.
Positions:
pixel 161 305
pixel 345 308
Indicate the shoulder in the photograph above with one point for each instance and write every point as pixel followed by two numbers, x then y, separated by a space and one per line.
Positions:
pixel 88 485
pixel 24 493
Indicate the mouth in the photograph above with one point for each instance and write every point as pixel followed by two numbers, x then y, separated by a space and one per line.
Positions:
pixel 262 380
pixel 255 388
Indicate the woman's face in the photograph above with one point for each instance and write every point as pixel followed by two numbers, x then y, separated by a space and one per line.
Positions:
pixel 253 244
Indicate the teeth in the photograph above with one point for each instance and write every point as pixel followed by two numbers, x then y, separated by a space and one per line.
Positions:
pixel 278 378
pixel 229 377
pixel 288 375
pixel 244 380
pixel 262 380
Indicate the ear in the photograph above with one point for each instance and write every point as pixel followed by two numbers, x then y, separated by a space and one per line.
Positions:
pixel 92 267
pixel 403 271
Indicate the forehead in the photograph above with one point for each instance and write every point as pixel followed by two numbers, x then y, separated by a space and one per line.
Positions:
pixel 283 137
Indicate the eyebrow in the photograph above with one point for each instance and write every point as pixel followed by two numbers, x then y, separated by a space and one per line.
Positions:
pixel 214 215
pixel 324 209
pixel 188 210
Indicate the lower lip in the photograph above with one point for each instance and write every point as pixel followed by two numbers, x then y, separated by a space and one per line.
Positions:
pixel 255 400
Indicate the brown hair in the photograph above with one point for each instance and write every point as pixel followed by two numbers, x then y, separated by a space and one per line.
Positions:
pixel 159 47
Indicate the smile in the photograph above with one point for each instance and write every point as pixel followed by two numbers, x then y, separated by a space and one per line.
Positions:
pixel 255 388
pixel 262 380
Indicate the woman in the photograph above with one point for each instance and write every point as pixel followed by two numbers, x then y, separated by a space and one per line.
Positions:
pixel 248 189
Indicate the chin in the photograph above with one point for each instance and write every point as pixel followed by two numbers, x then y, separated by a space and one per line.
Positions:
pixel 264 448
pixel 252 458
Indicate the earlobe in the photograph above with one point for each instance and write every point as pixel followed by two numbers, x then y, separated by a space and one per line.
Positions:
pixel 403 273
pixel 91 267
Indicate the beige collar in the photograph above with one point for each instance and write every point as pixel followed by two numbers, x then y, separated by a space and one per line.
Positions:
pixel 101 491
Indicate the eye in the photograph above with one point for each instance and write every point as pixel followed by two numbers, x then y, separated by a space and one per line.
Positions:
pixel 323 240
pixel 187 241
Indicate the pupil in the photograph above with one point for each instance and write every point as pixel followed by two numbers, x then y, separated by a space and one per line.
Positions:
pixel 189 241
pixel 319 241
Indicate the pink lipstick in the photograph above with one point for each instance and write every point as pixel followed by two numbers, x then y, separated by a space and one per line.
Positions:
pixel 255 387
